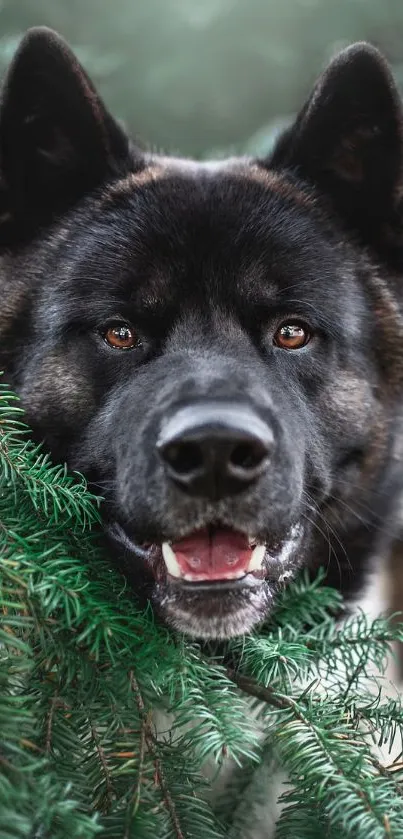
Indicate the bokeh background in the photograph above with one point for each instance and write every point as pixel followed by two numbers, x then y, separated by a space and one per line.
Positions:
pixel 206 77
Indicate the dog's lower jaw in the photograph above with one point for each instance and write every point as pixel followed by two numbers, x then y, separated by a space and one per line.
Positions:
pixel 226 617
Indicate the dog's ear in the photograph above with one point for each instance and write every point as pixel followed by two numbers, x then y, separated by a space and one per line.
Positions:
pixel 57 140
pixel 348 140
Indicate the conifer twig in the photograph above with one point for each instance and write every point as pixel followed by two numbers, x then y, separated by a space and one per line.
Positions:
pixel 152 746
pixel 49 723
pixel 101 754
pixel 134 800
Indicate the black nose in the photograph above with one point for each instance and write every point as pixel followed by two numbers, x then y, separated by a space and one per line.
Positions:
pixel 215 450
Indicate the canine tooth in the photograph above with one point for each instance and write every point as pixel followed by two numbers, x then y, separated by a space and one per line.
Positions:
pixel 170 560
pixel 256 560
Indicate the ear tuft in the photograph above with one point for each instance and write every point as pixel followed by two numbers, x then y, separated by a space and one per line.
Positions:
pixel 348 138
pixel 57 140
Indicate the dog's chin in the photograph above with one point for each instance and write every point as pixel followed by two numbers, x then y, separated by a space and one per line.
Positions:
pixel 218 611
pixel 228 594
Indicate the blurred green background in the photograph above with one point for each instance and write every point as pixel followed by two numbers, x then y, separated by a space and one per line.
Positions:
pixel 207 76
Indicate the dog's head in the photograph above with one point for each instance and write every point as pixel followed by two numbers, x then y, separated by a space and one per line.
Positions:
pixel 210 343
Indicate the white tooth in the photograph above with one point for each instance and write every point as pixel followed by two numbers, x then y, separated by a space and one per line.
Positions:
pixel 170 560
pixel 256 560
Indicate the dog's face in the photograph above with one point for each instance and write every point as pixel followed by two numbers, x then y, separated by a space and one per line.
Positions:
pixel 209 344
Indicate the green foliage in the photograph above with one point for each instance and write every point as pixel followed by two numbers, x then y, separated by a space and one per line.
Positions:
pixel 87 678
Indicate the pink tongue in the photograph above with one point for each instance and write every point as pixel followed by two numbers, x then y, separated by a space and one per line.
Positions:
pixel 220 555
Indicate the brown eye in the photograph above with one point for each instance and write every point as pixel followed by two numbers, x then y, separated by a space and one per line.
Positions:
pixel 292 336
pixel 121 336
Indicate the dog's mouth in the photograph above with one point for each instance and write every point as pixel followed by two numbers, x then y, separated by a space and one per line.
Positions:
pixel 213 555
pixel 213 582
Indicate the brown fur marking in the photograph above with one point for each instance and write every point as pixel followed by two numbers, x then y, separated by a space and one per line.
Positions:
pixel 349 401
pixel 390 321
pixel 14 296
pixel 132 181
pixel 164 167
pixel 61 377
pixel 278 183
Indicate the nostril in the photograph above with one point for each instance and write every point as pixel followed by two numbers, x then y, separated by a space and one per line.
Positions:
pixel 248 455
pixel 214 450
pixel 184 458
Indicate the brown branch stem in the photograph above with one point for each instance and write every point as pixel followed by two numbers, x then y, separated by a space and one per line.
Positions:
pixel 104 764
pixel 152 746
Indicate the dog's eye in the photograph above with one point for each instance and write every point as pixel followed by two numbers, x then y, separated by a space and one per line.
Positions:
pixel 120 336
pixel 292 336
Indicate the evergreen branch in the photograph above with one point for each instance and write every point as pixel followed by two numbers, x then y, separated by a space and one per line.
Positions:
pixel 388 773
pixel 134 800
pixel 46 485
pixel 110 792
pixel 340 773
pixel 48 742
pixel 152 745
pixel 262 692
pixel 73 718
pixel 300 608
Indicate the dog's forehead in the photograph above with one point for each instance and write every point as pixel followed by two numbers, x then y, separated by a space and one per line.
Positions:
pixel 234 216
pixel 229 226
pixel 228 231
pixel 222 178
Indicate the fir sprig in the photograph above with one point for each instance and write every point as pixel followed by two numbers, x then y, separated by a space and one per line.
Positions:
pixel 53 492
pixel 87 678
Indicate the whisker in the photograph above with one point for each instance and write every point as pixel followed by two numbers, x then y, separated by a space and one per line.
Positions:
pixel 314 508
pixel 315 525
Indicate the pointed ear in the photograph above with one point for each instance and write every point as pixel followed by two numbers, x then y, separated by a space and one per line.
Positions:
pixel 57 141
pixel 348 141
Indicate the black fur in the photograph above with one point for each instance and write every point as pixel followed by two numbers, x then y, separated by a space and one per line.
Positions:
pixel 206 261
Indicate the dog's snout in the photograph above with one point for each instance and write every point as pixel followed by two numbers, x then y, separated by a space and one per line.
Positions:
pixel 216 450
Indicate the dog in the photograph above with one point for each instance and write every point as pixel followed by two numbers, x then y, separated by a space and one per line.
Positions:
pixel 217 346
